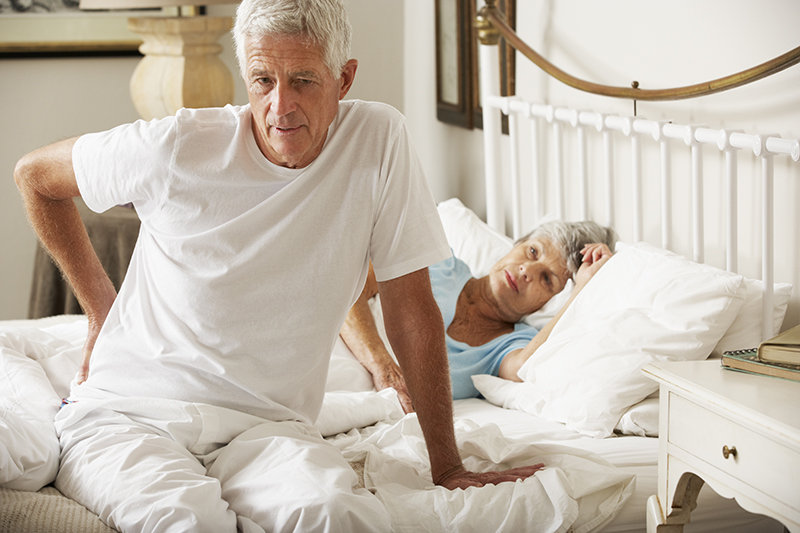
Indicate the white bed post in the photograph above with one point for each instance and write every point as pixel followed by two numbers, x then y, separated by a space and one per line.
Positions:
pixel 732 185
pixel 666 192
pixel 516 178
pixel 608 173
pixel 536 176
pixel 697 195
pixel 636 176
pixel 583 172
pixel 767 243
pixel 489 67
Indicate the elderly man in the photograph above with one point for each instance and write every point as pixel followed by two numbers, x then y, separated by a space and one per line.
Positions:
pixel 201 379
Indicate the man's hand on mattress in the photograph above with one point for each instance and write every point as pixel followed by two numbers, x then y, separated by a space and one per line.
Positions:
pixel 461 478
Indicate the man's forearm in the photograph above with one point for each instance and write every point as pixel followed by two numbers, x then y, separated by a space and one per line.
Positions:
pixel 415 328
pixel 46 183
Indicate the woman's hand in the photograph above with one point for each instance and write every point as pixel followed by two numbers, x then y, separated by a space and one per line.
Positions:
pixel 594 256
pixel 389 375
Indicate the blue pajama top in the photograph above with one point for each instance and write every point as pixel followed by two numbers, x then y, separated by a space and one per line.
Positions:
pixel 448 278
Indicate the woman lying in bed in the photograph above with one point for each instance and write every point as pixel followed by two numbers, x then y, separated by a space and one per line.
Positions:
pixel 483 317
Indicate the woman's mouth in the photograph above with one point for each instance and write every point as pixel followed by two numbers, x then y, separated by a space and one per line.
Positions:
pixel 511 281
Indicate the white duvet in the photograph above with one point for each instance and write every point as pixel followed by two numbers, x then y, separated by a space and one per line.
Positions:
pixel 577 491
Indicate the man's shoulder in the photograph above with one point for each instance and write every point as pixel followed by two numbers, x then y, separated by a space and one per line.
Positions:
pixel 371 110
pixel 230 114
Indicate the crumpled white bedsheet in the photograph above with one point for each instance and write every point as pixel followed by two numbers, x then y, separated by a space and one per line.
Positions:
pixel 577 491
pixel 37 361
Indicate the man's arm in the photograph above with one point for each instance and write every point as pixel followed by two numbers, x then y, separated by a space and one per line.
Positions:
pixel 46 181
pixel 360 333
pixel 416 331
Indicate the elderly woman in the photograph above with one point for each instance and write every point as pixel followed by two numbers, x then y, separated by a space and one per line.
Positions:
pixel 483 316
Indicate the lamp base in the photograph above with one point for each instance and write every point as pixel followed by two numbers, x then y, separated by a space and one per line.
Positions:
pixel 181 66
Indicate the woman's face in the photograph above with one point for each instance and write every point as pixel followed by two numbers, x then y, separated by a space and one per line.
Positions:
pixel 525 279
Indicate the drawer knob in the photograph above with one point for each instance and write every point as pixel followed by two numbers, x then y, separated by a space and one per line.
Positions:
pixel 728 452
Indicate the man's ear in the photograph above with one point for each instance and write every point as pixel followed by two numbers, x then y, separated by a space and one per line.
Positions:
pixel 347 77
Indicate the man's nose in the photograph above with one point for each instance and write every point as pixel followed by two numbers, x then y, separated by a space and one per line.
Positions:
pixel 283 100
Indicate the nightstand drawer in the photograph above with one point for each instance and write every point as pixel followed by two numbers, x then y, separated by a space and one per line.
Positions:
pixel 758 461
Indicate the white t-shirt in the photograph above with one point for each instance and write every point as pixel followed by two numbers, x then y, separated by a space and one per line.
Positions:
pixel 244 271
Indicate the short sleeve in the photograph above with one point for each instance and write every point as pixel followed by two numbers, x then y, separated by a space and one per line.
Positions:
pixel 408 234
pixel 129 163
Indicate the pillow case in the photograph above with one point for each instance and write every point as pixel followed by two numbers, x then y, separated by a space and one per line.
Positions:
pixel 345 372
pixel 745 332
pixel 471 239
pixel 645 305
pixel 641 419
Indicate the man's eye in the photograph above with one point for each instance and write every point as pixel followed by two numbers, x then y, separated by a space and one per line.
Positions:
pixel 534 252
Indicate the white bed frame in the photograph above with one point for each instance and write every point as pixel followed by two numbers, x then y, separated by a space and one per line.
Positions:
pixel 563 162
pixel 536 150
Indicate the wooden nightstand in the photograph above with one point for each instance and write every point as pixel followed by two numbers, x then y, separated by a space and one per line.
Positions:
pixel 738 433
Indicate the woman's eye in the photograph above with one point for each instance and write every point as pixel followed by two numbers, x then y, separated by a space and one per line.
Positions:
pixel 534 253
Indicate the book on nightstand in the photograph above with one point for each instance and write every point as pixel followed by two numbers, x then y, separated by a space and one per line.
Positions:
pixel 748 361
pixel 783 348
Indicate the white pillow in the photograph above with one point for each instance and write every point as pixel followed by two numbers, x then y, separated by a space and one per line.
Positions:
pixel 745 332
pixel 471 239
pixel 343 411
pixel 346 373
pixel 641 419
pixel 645 305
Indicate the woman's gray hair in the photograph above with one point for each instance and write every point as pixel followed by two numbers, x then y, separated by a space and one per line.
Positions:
pixel 322 22
pixel 571 237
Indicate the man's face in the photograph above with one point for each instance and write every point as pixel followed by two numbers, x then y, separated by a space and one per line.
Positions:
pixel 293 97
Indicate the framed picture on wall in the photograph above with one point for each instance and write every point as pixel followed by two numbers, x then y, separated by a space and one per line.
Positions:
pixel 57 28
pixel 457 86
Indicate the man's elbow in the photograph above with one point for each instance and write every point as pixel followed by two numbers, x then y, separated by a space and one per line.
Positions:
pixel 24 172
pixel 47 173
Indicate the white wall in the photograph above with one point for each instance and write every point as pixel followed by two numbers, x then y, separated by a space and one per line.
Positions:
pixel 660 44
pixel 45 100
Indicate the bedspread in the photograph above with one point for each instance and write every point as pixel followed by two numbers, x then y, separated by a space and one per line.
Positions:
pixel 576 491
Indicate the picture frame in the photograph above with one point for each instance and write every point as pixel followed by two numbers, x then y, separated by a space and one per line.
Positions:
pixel 62 30
pixel 457 85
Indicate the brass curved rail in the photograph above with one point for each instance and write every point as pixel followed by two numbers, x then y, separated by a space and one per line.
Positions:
pixel 491 25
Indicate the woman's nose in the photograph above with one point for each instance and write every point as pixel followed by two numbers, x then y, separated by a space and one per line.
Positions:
pixel 528 269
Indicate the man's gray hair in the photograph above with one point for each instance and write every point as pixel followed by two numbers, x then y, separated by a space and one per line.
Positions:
pixel 571 237
pixel 321 22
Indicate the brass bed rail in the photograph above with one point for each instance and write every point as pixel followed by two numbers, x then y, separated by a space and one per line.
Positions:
pixel 491 25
